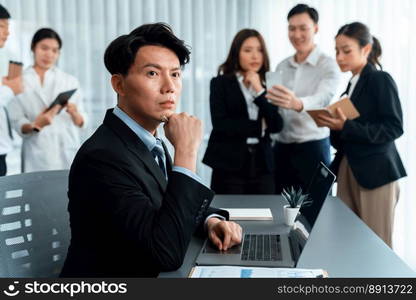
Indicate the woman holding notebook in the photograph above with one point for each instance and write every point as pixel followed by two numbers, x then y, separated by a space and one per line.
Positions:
pixel 50 133
pixel 367 162
pixel 239 149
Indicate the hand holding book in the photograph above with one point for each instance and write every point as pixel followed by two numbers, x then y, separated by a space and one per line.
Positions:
pixel 334 114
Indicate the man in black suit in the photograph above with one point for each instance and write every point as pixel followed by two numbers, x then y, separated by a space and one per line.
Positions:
pixel 132 210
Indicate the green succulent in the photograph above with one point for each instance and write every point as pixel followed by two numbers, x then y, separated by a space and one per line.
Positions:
pixel 295 198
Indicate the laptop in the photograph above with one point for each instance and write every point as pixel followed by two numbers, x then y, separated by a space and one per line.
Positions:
pixel 275 249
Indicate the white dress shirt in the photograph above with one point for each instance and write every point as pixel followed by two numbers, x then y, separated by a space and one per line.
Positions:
pixel 6 94
pixel 353 82
pixel 253 110
pixel 314 81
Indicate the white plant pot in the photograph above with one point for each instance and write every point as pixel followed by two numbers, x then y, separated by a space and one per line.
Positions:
pixel 290 214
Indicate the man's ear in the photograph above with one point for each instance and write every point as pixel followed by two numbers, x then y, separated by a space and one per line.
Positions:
pixel 316 28
pixel 117 81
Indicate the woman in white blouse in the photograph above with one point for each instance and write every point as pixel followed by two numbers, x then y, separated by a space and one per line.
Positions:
pixel 50 137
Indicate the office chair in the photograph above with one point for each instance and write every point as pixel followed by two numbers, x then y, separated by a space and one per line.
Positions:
pixel 34 224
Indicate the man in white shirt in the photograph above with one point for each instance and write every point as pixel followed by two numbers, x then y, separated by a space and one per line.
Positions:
pixel 310 80
pixel 8 88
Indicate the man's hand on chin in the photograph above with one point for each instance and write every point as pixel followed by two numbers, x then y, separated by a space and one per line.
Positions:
pixel 224 234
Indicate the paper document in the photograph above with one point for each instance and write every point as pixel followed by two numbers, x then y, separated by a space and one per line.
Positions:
pixel 248 214
pixel 345 104
pixel 251 272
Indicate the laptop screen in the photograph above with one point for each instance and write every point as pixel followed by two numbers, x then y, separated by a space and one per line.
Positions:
pixel 318 189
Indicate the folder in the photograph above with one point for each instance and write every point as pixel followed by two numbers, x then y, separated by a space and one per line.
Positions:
pixel 346 106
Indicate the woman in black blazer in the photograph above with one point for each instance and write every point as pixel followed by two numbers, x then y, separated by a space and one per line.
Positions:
pixel 239 149
pixel 367 162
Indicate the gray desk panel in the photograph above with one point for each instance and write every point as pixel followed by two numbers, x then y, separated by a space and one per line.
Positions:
pixel 353 251
pixel 339 243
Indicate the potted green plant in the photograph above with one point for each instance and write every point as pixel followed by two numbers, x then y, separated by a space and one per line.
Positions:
pixel 295 200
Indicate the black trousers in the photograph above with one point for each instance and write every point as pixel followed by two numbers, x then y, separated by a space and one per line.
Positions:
pixel 253 178
pixel 3 166
pixel 295 163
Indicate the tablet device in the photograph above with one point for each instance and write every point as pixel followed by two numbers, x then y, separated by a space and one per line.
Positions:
pixel 62 99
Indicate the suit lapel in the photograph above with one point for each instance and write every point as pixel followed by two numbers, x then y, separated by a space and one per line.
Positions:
pixel 136 146
pixel 361 82
pixel 236 90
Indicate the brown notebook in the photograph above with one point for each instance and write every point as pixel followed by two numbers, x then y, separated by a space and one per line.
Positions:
pixel 345 104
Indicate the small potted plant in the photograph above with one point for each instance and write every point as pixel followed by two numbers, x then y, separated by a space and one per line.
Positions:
pixel 295 200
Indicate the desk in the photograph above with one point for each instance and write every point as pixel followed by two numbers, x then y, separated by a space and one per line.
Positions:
pixel 339 242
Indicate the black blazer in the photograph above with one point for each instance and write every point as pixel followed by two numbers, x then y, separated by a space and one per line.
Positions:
pixel 368 141
pixel 126 219
pixel 231 126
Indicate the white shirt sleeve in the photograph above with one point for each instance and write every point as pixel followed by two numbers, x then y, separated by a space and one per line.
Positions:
pixel 6 94
pixel 17 116
pixel 78 99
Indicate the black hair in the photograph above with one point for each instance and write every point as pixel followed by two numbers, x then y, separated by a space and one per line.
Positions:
pixel 232 63
pixel 303 8
pixel 4 13
pixel 45 33
pixel 361 33
pixel 121 53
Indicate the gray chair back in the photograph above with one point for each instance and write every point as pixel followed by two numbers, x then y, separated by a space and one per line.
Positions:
pixel 34 224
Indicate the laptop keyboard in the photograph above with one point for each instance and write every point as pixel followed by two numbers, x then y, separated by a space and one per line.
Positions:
pixel 261 247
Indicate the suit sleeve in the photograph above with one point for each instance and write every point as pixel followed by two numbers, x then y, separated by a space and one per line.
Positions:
pixel 163 233
pixel 389 123
pixel 270 113
pixel 221 120
pixel 335 138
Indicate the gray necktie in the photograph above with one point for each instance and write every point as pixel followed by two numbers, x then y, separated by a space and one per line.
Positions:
pixel 159 154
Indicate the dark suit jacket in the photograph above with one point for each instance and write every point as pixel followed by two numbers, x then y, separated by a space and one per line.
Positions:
pixel 231 126
pixel 368 141
pixel 126 219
